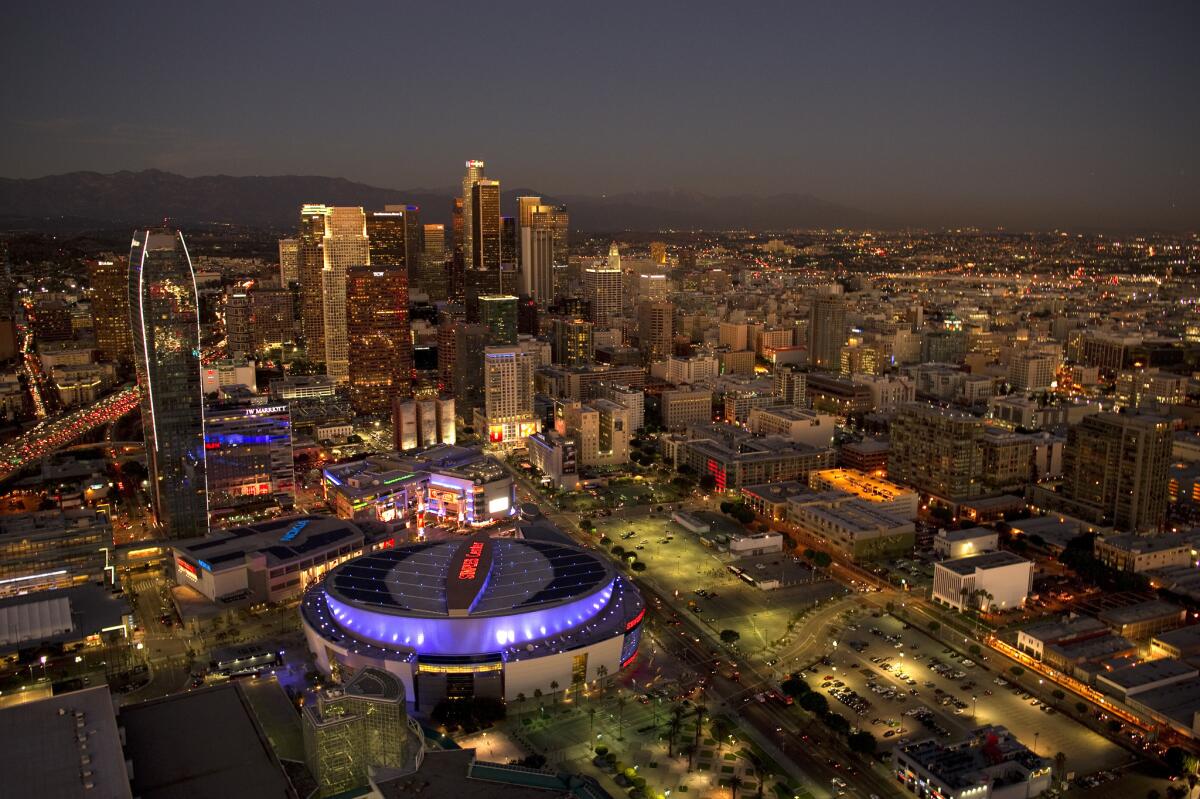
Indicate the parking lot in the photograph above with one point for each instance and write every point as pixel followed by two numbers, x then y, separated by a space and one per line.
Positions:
pixel 901 685
pixel 678 565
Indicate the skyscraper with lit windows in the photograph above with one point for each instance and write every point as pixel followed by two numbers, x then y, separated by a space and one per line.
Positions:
pixel 345 245
pixel 474 174
pixel 379 335
pixel 165 319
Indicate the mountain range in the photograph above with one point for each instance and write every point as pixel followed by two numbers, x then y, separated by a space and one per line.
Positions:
pixel 88 199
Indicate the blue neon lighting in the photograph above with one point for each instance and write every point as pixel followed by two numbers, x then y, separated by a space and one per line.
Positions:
pixel 294 530
pixel 204 564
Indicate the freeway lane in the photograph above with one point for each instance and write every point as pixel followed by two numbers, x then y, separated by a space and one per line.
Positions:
pixel 48 436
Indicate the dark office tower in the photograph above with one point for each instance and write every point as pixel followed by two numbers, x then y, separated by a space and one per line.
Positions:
pixel 508 242
pixel 165 317
pixel 310 260
pixel 109 278
pixel 445 354
pixel 414 235
pixel 538 271
pixel 527 317
pixel 381 365
pixel 386 237
pixel 485 226
pixel 474 175
pixel 478 283
pixel 826 332
pixel 656 329
pixel 1116 468
pixel 457 282
pixel 499 313
pixel 432 277
pixel 571 342
pixel 469 343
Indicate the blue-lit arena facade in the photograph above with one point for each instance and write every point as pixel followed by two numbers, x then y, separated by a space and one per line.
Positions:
pixel 476 617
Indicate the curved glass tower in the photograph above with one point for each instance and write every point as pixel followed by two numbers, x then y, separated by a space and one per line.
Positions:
pixel 164 314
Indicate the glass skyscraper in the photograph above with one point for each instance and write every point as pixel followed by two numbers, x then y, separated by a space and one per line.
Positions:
pixel 164 315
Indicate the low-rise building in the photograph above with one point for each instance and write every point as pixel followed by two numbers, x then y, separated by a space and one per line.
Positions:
pixel 771 499
pixel 54 549
pixel 885 495
pixel 855 527
pixel 990 764
pixel 801 425
pixel 745 546
pixel 1182 643
pixel 1140 621
pixel 994 581
pixel 1129 681
pixel 1139 553
pixel 734 458
pixel 964 543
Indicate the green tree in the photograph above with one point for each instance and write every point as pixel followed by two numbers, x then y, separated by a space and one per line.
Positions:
pixel 707 483
pixel 934 626
pixel 814 703
pixel 1081 708
pixel 1059 695
pixel 1060 765
pixel 730 636
pixel 822 560
pixel 554 691
pixel 862 742
pixel 735 782
pixel 1017 671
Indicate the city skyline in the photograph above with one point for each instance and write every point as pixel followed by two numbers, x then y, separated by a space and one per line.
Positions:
pixel 1028 117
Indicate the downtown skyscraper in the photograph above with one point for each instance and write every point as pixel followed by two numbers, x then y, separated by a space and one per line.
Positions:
pixel 602 288
pixel 108 278
pixel 165 318
pixel 380 339
pixel 345 245
pixel 826 332
pixel 473 175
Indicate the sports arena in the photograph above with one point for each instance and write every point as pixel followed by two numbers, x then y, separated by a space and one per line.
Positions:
pixel 495 617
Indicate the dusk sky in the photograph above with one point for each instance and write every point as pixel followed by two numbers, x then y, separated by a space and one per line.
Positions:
pixel 1041 113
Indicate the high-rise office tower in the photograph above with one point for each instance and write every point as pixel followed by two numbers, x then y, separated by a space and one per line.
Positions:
pixel 556 219
pixel 380 338
pixel 387 234
pixel 656 329
pixel 602 287
pixel 109 279
pixel 499 313
pixel 458 264
pixel 310 260
pixel 239 330
pixel 414 235
pixel 432 278
pixel 485 225
pixel 1117 466
pixel 508 243
pixel 937 451
pixel 652 287
pixel 538 270
pixel 571 342
pixel 525 208
pixel 469 343
pixel 165 318
pixel 289 262
pixel 508 394
pixel 345 245
pixel 474 175
pixel 826 332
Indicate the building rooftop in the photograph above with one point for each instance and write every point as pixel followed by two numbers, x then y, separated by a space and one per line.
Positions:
pixel 862 485
pixel 205 742
pixel 1099 648
pixel 1149 671
pixel 42 754
pixel 60 615
pixel 1065 628
pixel 988 560
pixel 1184 638
pixel 278 540
pixel 1141 611
pixel 965 534
pixel 1145 544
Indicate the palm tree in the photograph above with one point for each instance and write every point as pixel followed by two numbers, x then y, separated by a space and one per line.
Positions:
pixel 691 752
pixel 720 731
pixel 700 710
pixel 537 694
pixel 521 700
pixel 673 727
pixel 621 700
pixel 554 690
pixel 601 674
pixel 735 782
pixel 591 727
pixel 1060 764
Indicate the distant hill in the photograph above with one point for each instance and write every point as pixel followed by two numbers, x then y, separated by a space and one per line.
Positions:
pixel 146 197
